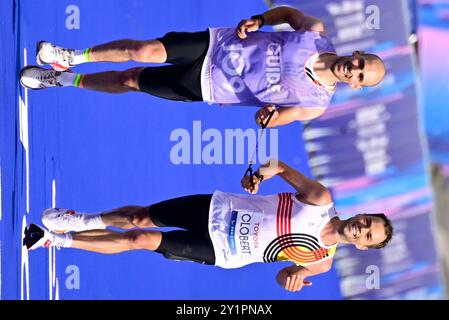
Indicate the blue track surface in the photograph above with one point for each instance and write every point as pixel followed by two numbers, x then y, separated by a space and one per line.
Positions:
pixel 105 151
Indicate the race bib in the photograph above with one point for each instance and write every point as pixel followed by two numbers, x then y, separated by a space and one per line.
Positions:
pixel 244 233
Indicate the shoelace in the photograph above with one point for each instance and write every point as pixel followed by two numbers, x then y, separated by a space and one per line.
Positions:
pixel 48 76
pixel 62 54
pixel 70 218
pixel 58 243
pixel 58 246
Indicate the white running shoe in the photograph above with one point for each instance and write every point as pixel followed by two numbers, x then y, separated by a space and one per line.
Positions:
pixel 60 59
pixel 37 237
pixel 63 220
pixel 35 78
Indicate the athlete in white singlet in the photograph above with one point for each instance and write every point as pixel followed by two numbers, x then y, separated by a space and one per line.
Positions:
pixel 246 229
pixel 225 229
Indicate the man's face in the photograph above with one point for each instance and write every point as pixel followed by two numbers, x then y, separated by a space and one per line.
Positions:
pixel 363 230
pixel 359 70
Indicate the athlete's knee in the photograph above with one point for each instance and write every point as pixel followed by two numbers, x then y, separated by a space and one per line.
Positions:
pixel 147 51
pixel 140 239
pixel 135 238
pixel 129 47
pixel 130 78
pixel 141 217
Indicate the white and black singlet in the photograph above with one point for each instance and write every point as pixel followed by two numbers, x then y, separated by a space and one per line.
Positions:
pixel 233 230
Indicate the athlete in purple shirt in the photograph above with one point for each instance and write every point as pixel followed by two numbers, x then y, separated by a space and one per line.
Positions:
pixel 297 71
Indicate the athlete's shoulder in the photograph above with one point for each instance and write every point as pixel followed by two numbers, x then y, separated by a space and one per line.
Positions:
pixel 318 26
pixel 321 197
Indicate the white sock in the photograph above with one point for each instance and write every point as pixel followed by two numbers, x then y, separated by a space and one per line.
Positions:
pixel 81 56
pixel 67 79
pixel 62 240
pixel 93 221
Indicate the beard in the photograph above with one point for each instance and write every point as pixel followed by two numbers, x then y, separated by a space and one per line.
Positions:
pixel 342 230
pixel 339 74
pixel 343 225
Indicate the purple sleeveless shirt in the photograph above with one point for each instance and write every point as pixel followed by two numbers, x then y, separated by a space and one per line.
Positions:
pixel 266 67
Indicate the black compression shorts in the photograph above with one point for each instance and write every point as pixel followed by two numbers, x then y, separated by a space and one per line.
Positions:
pixel 181 80
pixel 190 213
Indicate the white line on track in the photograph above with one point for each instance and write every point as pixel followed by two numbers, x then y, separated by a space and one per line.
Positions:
pixel 53 193
pixel 57 291
pixel 53 278
pixel 23 116
pixel 23 121
pixel 50 270
pixel 53 283
pixel 24 267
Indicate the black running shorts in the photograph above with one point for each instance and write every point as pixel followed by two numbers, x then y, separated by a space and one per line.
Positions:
pixel 181 80
pixel 190 213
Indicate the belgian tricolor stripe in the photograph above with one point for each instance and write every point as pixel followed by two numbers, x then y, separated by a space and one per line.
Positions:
pixel 298 247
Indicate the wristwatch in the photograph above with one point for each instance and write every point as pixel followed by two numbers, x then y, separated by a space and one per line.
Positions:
pixel 260 17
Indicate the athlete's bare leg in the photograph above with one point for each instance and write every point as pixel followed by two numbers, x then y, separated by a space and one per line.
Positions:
pixel 152 51
pixel 96 232
pixel 115 242
pixel 112 81
pixel 128 217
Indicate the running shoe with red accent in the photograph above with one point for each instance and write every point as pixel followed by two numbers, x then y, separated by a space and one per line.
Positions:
pixel 63 220
pixel 37 237
pixel 60 59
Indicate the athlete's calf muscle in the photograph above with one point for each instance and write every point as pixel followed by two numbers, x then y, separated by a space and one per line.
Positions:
pixel 151 51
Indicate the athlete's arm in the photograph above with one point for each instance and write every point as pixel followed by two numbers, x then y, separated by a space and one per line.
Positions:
pixel 286 115
pixel 308 190
pixel 295 18
pixel 292 278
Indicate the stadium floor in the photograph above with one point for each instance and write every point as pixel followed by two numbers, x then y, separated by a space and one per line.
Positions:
pixel 92 152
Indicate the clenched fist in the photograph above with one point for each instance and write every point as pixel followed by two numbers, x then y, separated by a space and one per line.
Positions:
pixel 249 25
pixel 264 113
pixel 246 184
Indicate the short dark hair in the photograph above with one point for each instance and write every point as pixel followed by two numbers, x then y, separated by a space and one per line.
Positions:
pixel 388 230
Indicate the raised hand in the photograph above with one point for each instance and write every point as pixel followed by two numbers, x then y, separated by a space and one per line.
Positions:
pixel 249 25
